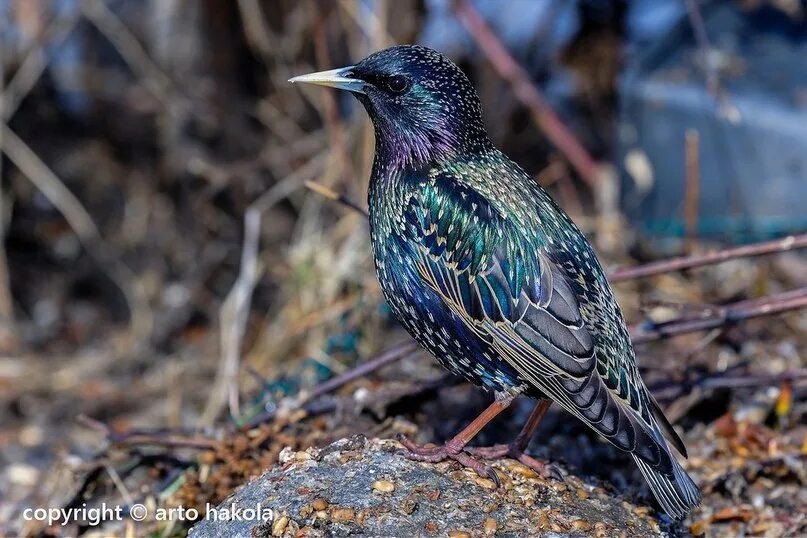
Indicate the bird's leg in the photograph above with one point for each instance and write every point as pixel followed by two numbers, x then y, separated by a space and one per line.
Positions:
pixel 516 448
pixel 454 448
pixel 519 444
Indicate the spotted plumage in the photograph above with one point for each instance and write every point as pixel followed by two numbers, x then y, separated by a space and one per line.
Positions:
pixel 488 273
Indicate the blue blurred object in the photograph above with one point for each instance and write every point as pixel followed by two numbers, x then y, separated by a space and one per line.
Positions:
pixel 753 134
pixel 649 19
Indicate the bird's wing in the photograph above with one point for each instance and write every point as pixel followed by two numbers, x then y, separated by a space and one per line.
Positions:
pixel 520 301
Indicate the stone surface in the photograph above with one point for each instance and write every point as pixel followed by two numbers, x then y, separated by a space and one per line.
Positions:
pixel 333 491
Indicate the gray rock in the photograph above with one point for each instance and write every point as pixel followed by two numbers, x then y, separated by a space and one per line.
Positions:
pixel 359 487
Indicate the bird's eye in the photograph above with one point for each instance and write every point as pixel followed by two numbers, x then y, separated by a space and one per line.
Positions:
pixel 397 84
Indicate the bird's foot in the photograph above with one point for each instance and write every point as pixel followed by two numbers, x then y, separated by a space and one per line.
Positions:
pixel 434 454
pixel 544 469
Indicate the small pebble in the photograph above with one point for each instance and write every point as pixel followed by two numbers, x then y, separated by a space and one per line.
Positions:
pixel 279 526
pixel 383 486
pixel 522 470
pixel 485 483
pixel 581 525
pixel 319 504
pixel 286 455
pixel 490 526
pixel 600 529
pixel 641 510
pixel 431 527
pixel 343 515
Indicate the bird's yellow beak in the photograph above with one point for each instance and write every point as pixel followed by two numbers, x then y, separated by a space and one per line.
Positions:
pixel 335 78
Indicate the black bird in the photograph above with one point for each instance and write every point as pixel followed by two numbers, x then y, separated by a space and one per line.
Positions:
pixel 486 271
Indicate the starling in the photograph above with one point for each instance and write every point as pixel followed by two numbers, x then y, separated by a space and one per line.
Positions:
pixel 490 275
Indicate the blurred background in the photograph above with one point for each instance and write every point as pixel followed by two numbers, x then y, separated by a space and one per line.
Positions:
pixel 167 262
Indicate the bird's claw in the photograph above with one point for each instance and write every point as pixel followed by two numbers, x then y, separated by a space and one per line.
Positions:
pixel 437 454
pixel 544 469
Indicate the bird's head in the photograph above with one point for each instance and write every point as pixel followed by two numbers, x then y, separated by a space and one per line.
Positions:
pixel 422 105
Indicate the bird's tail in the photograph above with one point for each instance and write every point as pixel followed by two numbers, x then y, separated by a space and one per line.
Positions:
pixel 676 492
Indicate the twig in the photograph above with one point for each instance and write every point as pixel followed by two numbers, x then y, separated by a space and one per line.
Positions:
pixel 50 186
pixel 134 437
pixel 692 188
pixel 705 46
pixel 336 197
pixel 321 406
pixel 712 380
pixel 7 332
pixel 526 92
pixel 235 309
pixel 742 310
pixel 791 242
pixel 304 398
pixel 121 487
pixel 388 357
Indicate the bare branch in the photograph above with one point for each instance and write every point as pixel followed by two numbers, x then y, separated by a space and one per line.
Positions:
pixel 705 46
pixel 791 242
pixel 158 438
pixel 726 315
pixel 50 185
pixel 388 357
pixel 331 195
pixel 692 187
pixel 714 380
pixel 7 332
